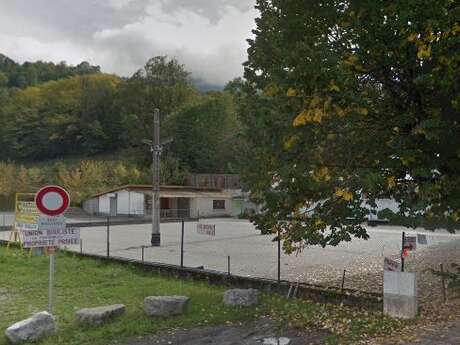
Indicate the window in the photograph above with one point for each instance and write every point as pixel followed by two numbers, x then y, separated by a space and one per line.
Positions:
pixel 218 204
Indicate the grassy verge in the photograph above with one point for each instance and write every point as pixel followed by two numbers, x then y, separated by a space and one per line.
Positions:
pixel 82 282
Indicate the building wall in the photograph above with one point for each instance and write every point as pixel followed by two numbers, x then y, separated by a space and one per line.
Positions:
pixel 104 204
pixel 91 206
pixel 130 203
pixel 136 204
pixel 205 207
pixel 383 204
pixel 193 208
pixel 237 207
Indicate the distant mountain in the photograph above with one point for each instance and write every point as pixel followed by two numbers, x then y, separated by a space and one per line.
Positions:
pixel 204 86
pixel 15 75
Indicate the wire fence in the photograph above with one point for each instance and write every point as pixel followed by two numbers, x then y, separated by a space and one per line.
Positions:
pixel 236 248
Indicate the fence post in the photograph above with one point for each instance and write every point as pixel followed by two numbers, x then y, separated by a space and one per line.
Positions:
pixel 228 265
pixel 443 282
pixel 402 250
pixel 279 257
pixel 343 280
pixel 143 247
pixel 182 246
pixel 81 246
pixel 108 236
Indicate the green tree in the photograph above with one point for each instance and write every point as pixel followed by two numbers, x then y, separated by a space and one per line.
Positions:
pixel 171 171
pixel 32 73
pixel 8 174
pixel 205 134
pixel 29 180
pixel 64 117
pixel 88 178
pixel 349 101
pixel 3 80
pixel 162 83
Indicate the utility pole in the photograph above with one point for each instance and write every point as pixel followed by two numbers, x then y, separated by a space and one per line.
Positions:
pixel 156 153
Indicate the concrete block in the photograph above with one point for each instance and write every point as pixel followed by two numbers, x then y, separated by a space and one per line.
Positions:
pixel 400 294
pixel 165 305
pixel 99 315
pixel 241 297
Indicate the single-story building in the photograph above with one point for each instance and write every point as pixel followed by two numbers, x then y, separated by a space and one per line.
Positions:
pixel 175 202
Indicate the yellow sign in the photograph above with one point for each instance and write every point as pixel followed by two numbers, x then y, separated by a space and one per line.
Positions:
pixel 26 216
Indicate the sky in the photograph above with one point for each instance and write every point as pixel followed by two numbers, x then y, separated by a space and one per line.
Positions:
pixel 207 36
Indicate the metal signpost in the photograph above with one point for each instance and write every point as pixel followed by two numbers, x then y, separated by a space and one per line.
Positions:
pixel 51 231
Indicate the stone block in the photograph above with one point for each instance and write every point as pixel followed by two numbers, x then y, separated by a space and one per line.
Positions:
pixel 99 315
pixel 31 329
pixel 165 305
pixel 241 297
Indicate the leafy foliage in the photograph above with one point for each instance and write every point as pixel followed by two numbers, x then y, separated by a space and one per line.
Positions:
pixel 14 75
pixel 81 180
pixel 62 117
pixel 352 101
pixel 206 134
pixel 86 115
pixel 162 83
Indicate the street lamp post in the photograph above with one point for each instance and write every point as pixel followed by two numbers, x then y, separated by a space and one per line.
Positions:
pixel 156 153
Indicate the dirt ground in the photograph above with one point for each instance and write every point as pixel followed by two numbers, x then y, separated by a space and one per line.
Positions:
pixel 262 332
pixel 447 335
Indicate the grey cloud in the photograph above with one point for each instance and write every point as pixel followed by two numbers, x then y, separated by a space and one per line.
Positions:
pixel 214 10
pixel 74 19
pixel 208 36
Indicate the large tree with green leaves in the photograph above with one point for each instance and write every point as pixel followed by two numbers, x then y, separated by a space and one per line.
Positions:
pixel 347 102
pixel 205 134
pixel 162 83
pixel 64 117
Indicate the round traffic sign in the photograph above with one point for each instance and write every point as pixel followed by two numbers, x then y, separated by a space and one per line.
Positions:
pixel 52 200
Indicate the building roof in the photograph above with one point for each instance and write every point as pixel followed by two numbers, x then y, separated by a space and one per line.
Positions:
pixel 164 189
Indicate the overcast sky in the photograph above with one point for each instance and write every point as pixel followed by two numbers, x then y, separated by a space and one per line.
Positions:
pixel 208 36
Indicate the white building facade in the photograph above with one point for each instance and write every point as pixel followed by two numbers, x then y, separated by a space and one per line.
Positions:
pixel 175 202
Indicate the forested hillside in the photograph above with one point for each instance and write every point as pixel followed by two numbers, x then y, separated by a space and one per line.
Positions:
pixel 54 113
pixel 15 75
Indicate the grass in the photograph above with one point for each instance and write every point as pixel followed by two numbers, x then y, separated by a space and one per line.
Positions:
pixel 82 282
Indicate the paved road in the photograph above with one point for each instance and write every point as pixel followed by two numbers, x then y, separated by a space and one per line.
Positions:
pixel 251 253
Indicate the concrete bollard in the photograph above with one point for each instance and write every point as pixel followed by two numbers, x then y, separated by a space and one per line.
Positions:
pixel 400 294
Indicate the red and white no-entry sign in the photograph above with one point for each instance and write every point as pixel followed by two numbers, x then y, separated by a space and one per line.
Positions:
pixel 52 200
